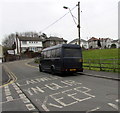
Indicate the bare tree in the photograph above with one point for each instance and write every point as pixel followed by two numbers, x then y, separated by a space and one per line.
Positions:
pixel 9 40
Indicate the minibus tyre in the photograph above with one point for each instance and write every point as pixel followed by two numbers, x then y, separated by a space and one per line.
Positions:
pixel 40 69
pixel 52 71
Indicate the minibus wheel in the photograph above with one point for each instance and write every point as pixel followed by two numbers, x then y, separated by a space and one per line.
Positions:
pixel 52 70
pixel 40 68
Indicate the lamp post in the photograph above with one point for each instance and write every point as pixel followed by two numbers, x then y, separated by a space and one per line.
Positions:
pixel 78 25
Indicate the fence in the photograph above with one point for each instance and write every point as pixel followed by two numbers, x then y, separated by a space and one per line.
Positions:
pixel 102 64
pixel 10 58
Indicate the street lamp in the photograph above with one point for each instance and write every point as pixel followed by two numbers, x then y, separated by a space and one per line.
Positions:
pixel 70 13
pixel 78 25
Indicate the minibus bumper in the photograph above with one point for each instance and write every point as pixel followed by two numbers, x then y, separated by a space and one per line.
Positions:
pixel 73 70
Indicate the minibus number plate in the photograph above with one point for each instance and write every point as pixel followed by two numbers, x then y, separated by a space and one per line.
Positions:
pixel 72 69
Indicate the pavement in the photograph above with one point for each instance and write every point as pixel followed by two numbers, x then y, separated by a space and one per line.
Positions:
pixel 5 78
pixel 102 74
pixel 99 74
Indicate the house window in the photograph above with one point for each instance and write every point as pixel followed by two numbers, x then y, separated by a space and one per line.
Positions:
pixel 51 42
pixel 36 49
pixel 24 42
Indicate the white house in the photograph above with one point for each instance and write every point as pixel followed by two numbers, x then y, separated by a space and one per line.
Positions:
pixel 32 43
pixel 92 42
pixel 116 43
pixel 83 43
pixel 105 42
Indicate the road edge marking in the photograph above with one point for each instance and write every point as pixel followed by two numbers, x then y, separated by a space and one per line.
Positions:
pixel 30 65
pixel 12 77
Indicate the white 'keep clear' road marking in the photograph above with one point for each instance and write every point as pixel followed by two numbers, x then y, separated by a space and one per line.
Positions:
pixel 8 94
pixel 95 109
pixel 113 105
pixel 25 100
pixel 117 100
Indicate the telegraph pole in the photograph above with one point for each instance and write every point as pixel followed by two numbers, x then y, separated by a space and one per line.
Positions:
pixel 78 26
pixel 79 22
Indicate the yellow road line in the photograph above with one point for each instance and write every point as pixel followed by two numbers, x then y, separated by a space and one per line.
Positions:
pixel 11 76
pixel 8 75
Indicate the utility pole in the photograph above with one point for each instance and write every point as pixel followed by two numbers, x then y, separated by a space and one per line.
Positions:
pixel 79 22
pixel 78 26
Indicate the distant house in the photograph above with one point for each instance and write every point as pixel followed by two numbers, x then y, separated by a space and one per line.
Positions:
pixel 83 43
pixel 105 42
pixel 116 43
pixel 1 53
pixel 51 41
pixel 92 42
pixel 28 43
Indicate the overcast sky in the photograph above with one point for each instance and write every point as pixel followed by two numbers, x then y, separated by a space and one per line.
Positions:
pixel 99 18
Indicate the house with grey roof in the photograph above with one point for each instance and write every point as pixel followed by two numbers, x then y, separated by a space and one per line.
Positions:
pixel 83 43
pixel 32 43
pixel 51 41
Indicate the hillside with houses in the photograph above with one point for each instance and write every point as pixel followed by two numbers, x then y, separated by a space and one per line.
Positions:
pixel 36 44
pixel 31 45
pixel 92 43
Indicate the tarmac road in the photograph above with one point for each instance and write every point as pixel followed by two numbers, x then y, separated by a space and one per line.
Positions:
pixel 31 90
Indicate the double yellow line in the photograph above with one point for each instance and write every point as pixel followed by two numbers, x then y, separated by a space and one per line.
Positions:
pixel 12 77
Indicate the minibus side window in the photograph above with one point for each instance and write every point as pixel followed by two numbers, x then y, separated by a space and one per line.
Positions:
pixel 53 53
pixel 57 52
pixel 44 54
pixel 48 54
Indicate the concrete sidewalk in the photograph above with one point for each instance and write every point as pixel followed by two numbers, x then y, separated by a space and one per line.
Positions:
pixel 102 74
pixel 5 78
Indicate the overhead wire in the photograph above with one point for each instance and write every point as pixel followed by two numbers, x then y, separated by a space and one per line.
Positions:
pixel 72 16
pixel 58 19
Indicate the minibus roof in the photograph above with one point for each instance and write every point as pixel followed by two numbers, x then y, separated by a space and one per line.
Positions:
pixel 62 45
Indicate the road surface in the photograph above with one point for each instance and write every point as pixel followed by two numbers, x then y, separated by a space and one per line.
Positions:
pixel 27 89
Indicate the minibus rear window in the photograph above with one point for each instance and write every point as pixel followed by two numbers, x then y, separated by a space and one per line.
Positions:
pixel 72 52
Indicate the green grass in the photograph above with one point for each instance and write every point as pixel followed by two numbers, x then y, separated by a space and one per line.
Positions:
pixel 98 56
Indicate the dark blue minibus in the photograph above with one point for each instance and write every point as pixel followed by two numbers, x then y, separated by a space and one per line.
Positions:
pixel 61 58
